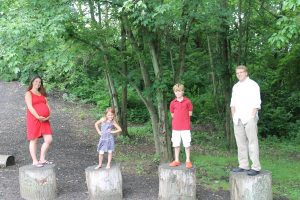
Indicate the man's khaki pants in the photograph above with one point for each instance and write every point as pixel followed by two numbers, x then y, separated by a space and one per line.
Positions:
pixel 247 144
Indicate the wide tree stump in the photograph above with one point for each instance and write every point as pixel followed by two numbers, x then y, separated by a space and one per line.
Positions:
pixel 244 187
pixel 176 183
pixel 104 184
pixel 6 160
pixel 38 183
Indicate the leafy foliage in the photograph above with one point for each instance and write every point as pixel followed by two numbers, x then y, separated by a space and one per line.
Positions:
pixel 72 51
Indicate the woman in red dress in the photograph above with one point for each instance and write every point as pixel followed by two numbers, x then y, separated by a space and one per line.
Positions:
pixel 37 120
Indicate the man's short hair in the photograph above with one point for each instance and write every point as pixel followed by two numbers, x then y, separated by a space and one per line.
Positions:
pixel 177 87
pixel 242 67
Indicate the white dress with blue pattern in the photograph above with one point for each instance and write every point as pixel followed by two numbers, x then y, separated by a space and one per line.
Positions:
pixel 107 141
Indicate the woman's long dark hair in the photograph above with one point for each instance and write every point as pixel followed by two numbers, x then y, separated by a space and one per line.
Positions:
pixel 41 89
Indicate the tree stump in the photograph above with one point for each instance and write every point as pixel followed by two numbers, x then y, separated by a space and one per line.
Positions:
pixel 176 183
pixel 244 187
pixel 104 184
pixel 38 183
pixel 6 160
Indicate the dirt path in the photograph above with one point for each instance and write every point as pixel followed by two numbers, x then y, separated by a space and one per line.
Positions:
pixel 73 150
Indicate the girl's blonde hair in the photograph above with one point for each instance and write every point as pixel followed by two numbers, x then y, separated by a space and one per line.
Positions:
pixel 110 109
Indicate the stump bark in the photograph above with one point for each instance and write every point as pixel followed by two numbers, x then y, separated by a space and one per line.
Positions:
pixel 38 183
pixel 6 160
pixel 244 187
pixel 176 183
pixel 104 184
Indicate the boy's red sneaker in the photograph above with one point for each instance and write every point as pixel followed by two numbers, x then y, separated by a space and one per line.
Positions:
pixel 188 165
pixel 174 164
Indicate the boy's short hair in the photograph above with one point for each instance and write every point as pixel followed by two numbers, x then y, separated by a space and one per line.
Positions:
pixel 177 87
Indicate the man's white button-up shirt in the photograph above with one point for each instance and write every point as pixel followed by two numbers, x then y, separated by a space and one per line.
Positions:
pixel 245 97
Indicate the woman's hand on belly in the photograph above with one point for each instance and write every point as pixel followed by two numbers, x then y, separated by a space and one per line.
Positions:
pixel 41 118
pixel 45 119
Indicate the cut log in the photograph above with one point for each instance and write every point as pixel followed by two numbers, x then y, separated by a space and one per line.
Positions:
pixel 244 187
pixel 176 183
pixel 6 160
pixel 38 183
pixel 104 184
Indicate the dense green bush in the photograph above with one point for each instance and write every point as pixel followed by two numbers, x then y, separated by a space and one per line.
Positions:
pixel 137 112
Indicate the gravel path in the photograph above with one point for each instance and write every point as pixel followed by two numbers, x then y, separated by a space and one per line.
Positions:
pixel 73 150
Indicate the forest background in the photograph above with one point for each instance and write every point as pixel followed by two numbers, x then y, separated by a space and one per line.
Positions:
pixel 129 53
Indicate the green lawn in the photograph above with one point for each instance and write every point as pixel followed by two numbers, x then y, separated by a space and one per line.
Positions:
pixel 213 161
pixel 281 159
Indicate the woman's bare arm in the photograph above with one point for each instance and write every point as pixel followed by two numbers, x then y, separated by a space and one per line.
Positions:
pixel 28 101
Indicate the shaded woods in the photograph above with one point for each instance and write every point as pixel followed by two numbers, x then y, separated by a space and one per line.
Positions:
pixel 129 53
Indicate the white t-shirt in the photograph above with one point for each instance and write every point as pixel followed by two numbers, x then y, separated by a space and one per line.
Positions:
pixel 245 97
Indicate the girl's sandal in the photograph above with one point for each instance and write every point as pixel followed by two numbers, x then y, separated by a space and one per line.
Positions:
pixel 38 165
pixel 46 162
pixel 98 167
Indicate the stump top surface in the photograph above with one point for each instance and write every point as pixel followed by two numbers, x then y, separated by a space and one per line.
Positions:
pixel 31 167
pixel 181 167
pixel 112 166
pixel 262 173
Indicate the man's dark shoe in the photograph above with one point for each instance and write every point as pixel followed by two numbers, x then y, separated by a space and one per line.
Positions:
pixel 252 172
pixel 239 170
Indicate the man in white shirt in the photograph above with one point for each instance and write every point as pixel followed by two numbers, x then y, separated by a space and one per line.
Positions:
pixel 245 103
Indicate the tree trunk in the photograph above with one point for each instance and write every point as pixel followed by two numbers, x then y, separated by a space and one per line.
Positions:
pixel 164 130
pixel 38 183
pixel 164 135
pixel 99 13
pixel 92 11
pixel 123 119
pixel 226 75
pixel 244 187
pixel 104 184
pixel 106 14
pixel 213 78
pixel 185 28
pixel 113 93
pixel 155 121
pixel 110 83
pixel 152 112
pixel 246 45
pixel 176 183
pixel 240 31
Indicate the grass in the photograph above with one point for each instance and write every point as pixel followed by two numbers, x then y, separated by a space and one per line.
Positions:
pixel 137 134
pixel 285 176
pixel 281 158
pixel 213 161
pixel 212 171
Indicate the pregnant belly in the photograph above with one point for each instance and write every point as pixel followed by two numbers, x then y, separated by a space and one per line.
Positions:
pixel 42 110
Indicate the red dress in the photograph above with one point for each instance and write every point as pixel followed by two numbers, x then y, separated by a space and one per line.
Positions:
pixel 36 128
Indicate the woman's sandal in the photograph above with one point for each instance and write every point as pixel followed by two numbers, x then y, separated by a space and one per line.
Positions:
pixel 46 162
